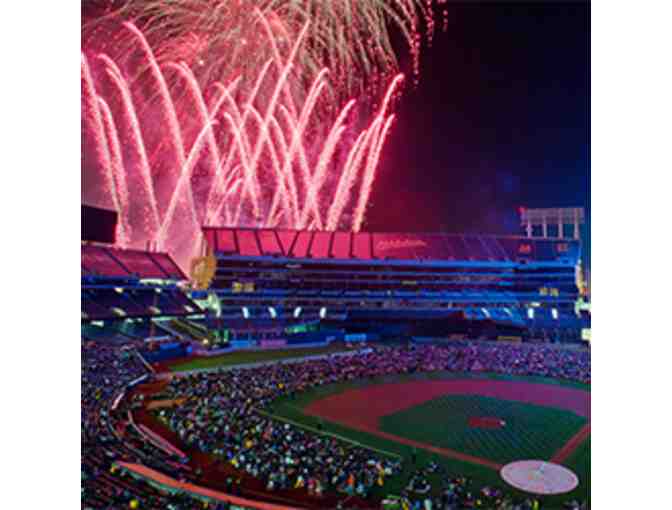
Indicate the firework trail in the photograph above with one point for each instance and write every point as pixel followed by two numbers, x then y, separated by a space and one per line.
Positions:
pixel 231 113
pixel 266 161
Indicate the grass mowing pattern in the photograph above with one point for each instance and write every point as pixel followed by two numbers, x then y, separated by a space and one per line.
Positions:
pixel 579 462
pixel 240 357
pixel 531 431
pixel 481 476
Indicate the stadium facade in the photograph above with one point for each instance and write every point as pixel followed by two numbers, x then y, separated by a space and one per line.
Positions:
pixel 399 283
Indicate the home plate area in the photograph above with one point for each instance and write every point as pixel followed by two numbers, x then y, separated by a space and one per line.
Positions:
pixel 539 477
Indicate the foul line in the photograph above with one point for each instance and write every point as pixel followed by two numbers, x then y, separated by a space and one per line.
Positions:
pixel 570 446
pixel 326 433
pixel 444 452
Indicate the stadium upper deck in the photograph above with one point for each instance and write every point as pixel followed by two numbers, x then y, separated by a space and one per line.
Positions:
pixel 265 273
pixel 114 284
pixel 106 261
pixel 390 247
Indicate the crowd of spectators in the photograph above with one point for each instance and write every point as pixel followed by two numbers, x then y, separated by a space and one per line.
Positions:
pixel 107 369
pixel 220 416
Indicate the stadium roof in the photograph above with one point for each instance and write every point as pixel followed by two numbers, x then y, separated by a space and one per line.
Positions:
pixel 100 260
pixel 385 246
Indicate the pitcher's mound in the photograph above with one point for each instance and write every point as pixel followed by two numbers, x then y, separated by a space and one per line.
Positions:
pixel 539 477
pixel 486 422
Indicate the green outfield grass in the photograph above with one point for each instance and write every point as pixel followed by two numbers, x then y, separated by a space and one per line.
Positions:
pixel 579 462
pixel 240 357
pixel 531 431
pixel 481 476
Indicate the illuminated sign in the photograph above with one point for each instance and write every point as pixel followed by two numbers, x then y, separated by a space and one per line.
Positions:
pixel 525 249
pixel 238 287
pixel 396 244
pixel 585 334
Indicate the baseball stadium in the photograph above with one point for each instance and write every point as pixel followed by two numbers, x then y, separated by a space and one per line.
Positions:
pixel 250 337
pixel 326 377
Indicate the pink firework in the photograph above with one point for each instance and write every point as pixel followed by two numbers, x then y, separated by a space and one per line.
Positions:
pixel 171 153
pixel 220 39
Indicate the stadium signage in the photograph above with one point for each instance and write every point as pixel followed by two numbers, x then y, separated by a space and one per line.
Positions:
pixel 396 244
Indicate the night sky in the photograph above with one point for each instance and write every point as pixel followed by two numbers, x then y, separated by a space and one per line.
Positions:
pixel 500 119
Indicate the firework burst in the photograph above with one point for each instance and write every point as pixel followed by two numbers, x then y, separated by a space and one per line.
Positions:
pixel 239 158
pixel 221 40
pixel 203 112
